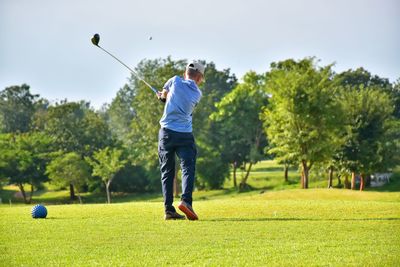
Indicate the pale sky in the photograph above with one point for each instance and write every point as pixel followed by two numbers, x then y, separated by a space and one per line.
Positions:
pixel 46 43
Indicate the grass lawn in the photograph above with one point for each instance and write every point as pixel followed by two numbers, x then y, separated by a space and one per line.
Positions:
pixel 276 228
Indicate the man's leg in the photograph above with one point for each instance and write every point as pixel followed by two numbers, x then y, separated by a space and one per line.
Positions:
pixel 187 155
pixel 187 152
pixel 166 156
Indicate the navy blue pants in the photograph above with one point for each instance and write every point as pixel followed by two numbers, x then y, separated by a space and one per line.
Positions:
pixel 183 145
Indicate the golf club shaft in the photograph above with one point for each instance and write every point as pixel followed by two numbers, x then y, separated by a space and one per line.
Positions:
pixel 131 70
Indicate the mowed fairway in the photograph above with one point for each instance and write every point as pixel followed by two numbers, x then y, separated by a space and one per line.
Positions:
pixel 292 227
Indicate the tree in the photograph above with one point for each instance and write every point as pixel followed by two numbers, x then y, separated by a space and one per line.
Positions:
pixel 361 78
pixel 240 128
pixel 23 159
pixel 371 135
pixel 17 106
pixel 106 163
pixel 69 169
pixel 360 107
pixel 302 117
pixel 74 127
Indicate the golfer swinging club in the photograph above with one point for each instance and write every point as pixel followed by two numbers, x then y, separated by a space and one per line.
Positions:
pixel 175 137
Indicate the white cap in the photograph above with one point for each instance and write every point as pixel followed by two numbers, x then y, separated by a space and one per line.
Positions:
pixel 197 66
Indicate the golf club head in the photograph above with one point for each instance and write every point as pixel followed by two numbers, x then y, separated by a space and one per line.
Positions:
pixel 96 39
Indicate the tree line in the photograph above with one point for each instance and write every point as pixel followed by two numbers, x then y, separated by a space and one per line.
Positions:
pixel 300 113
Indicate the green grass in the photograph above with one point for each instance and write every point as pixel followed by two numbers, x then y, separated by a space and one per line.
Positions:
pixel 281 228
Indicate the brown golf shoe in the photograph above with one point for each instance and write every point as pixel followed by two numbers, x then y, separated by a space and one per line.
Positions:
pixel 173 215
pixel 188 210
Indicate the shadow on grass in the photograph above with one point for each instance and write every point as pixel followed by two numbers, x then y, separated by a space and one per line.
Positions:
pixel 295 219
pixel 54 218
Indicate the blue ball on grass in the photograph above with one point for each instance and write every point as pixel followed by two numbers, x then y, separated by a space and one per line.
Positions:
pixel 39 211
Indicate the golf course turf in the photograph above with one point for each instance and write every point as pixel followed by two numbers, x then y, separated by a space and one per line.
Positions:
pixel 334 227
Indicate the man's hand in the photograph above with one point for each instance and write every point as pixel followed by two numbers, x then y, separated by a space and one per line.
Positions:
pixel 162 96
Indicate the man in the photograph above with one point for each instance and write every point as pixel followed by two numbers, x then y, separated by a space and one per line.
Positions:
pixel 180 95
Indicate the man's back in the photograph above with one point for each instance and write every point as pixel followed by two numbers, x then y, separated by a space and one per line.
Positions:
pixel 183 96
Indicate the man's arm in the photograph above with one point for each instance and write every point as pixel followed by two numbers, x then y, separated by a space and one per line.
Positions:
pixel 162 96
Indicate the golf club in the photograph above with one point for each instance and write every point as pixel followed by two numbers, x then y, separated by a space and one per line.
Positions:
pixel 96 39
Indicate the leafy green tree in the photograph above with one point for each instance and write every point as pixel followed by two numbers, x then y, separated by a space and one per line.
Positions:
pixel 361 78
pixel 241 132
pixel 302 117
pixel 74 127
pixel 17 106
pixel 371 135
pixel 106 163
pixel 64 124
pixel 385 157
pixel 69 169
pixel 23 159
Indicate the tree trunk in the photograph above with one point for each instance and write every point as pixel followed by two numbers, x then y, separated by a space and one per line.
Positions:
pixel 234 174
pixel 330 179
pixel 248 172
pixel 361 182
pixel 31 194
pixel 302 179
pixel 346 182
pixel 338 180
pixel 21 188
pixel 305 174
pixel 286 172
pixel 79 196
pixel 353 181
pixel 72 192
pixel 243 183
pixel 108 191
